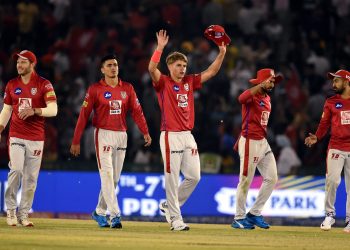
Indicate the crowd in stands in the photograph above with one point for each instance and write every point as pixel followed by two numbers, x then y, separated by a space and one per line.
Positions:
pixel 300 39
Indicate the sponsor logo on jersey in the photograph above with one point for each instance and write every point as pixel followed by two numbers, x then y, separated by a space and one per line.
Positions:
pixel 24 103
pixel 123 94
pixel 261 104
pixel 338 105
pixel 345 117
pixel 115 107
pixel 107 94
pixel 264 118
pixel 50 94
pixel 33 91
pixel 49 86
pixel 18 91
pixel 176 88
pixel 186 86
pixel 176 151
pixel 182 100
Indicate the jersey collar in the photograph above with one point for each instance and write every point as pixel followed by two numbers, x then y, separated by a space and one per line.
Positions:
pixel 103 82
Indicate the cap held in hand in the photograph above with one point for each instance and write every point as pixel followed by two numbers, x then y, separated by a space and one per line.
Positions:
pixel 217 34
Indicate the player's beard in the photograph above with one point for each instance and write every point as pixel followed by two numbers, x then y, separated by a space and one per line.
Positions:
pixel 339 90
pixel 24 72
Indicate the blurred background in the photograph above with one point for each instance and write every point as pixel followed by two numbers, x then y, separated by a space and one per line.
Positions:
pixel 300 39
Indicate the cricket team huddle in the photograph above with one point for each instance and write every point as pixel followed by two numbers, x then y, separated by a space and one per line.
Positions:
pixel 29 98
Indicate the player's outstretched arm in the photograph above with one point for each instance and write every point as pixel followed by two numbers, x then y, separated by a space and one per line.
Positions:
pixel 213 69
pixel 310 140
pixel 162 40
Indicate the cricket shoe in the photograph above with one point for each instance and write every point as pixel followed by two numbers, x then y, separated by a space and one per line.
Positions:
pixel 11 217
pixel 328 222
pixel 257 220
pixel 164 208
pixel 100 219
pixel 242 224
pixel 347 227
pixel 24 222
pixel 116 222
pixel 179 225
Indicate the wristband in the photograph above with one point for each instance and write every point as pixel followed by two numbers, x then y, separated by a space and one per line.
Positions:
pixel 156 56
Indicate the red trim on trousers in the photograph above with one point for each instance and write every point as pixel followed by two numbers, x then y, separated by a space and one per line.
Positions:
pixel 167 152
pixel 246 157
pixel 97 150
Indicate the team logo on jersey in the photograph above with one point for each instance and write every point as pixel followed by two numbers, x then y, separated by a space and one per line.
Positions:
pixel 123 94
pixel 186 87
pixel 345 117
pixel 115 107
pixel 18 91
pixel 264 118
pixel 182 100
pixel 24 103
pixel 33 91
pixel 261 104
pixel 338 105
pixel 176 88
pixel 107 94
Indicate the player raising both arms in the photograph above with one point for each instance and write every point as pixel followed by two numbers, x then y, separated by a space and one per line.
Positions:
pixel 336 115
pixel 29 98
pixel 177 144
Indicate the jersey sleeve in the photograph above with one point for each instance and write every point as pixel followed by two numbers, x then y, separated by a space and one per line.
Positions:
pixel 137 113
pixel 197 83
pixel 325 122
pixel 245 97
pixel 7 95
pixel 49 92
pixel 84 115
pixel 160 85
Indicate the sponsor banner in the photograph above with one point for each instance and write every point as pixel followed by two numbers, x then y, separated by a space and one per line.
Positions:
pixel 140 194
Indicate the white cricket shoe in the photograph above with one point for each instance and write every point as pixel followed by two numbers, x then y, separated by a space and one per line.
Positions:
pixel 328 222
pixel 25 222
pixel 347 227
pixel 179 225
pixel 11 217
pixel 164 208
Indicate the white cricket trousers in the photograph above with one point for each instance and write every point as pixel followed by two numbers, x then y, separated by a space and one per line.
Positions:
pixel 25 161
pixel 336 161
pixel 254 154
pixel 110 149
pixel 180 153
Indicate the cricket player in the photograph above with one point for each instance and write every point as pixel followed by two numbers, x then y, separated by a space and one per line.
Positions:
pixel 28 99
pixel 110 99
pixel 254 150
pixel 178 146
pixel 336 115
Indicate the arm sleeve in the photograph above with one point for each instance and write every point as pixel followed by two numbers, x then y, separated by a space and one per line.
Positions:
pixel 324 123
pixel 137 113
pixel 50 110
pixel 5 115
pixel 245 97
pixel 84 115
pixel 49 92
pixel 160 84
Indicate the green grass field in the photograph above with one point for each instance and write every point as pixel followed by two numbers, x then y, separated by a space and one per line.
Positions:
pixel 85 234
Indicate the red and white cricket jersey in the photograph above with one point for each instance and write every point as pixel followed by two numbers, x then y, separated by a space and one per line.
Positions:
pixel 35 94
pixel 336 114
pixel 110 106
pixel 176 102
pixel 255 114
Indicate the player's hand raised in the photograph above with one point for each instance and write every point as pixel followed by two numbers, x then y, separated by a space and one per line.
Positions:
pixel 222 48
pixel 75 149
pixel 310 140
pixel 162 39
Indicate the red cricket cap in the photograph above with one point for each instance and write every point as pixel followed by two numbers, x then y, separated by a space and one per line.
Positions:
pixel 264 74
pixel 217 34
pixel 26 54
pixel 340 73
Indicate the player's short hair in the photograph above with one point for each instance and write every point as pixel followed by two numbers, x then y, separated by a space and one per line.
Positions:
pixel 108 57
pixel 174 56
